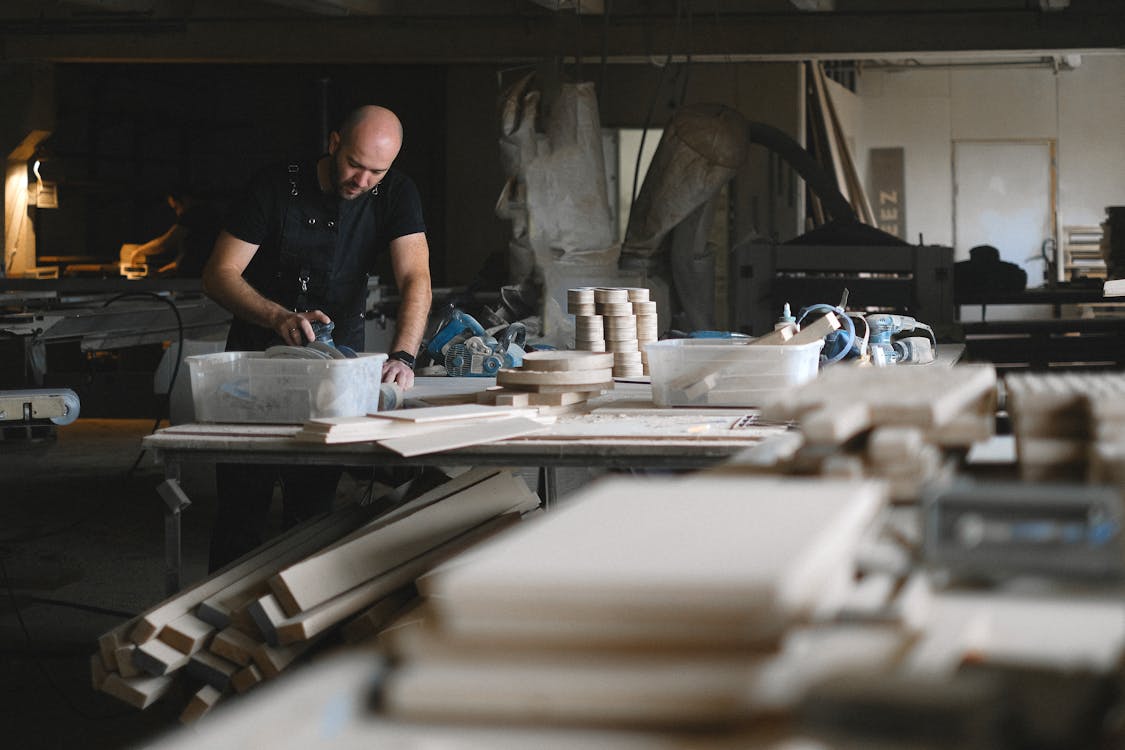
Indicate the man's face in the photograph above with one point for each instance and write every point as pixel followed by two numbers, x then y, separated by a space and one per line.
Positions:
pixel 357 166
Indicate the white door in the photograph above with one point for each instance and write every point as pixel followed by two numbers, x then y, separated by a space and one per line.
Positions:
pixel 1004 197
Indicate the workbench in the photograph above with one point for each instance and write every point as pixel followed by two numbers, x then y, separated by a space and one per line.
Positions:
pixel 622 429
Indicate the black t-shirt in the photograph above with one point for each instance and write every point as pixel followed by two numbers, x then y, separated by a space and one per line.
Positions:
pixel 363 227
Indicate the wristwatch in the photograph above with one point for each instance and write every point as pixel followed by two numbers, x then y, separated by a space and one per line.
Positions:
pixel 405 357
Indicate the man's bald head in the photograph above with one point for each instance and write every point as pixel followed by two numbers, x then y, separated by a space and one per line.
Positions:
pixel 372 120
pixel 362 150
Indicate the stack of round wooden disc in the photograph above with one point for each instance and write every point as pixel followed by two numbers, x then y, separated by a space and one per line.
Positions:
pixel 622 320
pixel 559 371
pixel 588 335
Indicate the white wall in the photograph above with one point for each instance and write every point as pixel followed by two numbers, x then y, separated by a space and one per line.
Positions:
pixel 924 111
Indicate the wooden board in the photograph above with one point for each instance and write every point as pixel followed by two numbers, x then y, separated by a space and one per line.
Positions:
pixel 149 624
pixel 567 360
pixel 246 678
pixel 187 634
pixel 459 436
pixel 318 620
pixel 693 556
pixel 453 413
pixel 211 669
pixel 203 701
pixel 157 658
pixel 442 515
pixel 522 378
pixel 139 692
pixel 234 646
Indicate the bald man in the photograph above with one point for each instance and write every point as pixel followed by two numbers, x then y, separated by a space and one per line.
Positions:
pixel 298 248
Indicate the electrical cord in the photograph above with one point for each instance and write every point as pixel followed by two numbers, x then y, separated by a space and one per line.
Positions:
pixel 849 327
pixel 39 661
pixel 655 97
pixel 175 367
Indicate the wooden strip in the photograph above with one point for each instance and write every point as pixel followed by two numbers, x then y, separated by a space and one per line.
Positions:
pixel 460 436
pixel 211 669
pixel 566 360
pixel 443 515
pixel 246 678
pixel 451 413
pixel 234 646
pixel 149 624
pixel 139 692
pixel 157 658
pixel 272 660
pixel 200 704
pixel 367 624
pixel 187 634
pixel 126 661
pixel 267 614
pixel 521 378
pixel 320 619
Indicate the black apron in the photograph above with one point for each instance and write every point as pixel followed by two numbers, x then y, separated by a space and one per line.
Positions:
pixel 315 269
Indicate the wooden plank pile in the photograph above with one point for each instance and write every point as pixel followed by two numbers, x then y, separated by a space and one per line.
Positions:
pixel 650 604
pixel 891 423
pixel 249 621
pixel 415 432
pixel 1068 426
pixel 620 320
pixel 553 382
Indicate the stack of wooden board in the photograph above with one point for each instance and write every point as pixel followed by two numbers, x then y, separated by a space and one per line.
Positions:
pixel 553 381
pixel 642 603
pixel 892 423
pixel 414 432
pixel 620 320
pixel 249 621
pixel 1068 426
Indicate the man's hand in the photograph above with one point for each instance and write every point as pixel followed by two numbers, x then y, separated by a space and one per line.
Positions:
pixel 295 328
pixel 398 372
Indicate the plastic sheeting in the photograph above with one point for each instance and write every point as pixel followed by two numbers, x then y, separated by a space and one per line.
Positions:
pixel 700 151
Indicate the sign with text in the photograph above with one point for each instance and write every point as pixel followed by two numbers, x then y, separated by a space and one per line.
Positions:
pixel 887 184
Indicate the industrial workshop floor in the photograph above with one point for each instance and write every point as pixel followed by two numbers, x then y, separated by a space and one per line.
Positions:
pixel 81 549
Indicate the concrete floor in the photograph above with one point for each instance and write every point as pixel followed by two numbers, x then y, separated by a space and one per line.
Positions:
pixel 79 529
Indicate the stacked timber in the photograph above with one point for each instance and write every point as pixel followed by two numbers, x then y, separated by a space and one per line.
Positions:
pixel 553 382
pixel 1068 426
pixel 891 423
pixel 415 432
pixel 646 604
pixel 249 621
pixel 617 320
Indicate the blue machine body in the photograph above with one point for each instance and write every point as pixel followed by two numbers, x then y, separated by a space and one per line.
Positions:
pixel 468 350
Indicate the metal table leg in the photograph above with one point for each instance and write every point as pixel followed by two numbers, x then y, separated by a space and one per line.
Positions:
pixel 175 501
pixel 548 487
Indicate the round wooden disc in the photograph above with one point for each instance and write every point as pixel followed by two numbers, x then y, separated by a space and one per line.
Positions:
pixel 611 294
pixel 566 360
pixel 553 377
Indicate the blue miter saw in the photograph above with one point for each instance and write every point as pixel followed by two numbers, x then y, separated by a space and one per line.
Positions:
pixel 468 350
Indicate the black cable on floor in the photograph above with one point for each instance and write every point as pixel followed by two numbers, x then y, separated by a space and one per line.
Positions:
pixel 175 367
pixel 84 607
pixel 39 662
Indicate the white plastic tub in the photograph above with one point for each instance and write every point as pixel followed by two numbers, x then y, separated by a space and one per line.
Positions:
pixel 249 387
pixel 727 372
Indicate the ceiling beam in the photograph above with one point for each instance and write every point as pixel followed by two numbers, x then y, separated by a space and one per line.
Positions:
pixel 537 36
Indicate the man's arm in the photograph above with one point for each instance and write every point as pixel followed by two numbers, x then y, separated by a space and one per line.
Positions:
pixel 223 282
pixel 410 262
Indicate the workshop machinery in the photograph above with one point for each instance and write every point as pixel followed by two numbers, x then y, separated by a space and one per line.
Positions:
pixel 465 348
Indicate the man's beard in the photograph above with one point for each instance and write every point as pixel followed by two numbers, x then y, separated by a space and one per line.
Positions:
pixel 343 189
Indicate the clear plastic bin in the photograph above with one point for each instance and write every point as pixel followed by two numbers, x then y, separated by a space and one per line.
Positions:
pixel 249 387
pixel 727 372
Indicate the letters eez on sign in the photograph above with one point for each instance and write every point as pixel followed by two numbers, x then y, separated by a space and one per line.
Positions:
pixel 888 190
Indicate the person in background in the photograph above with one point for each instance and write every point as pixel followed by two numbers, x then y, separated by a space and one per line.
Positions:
pixel 184 249
pixel 296 250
